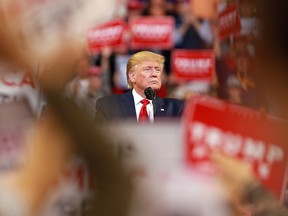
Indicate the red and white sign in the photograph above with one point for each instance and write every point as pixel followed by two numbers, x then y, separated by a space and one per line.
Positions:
pixel 250 26
pixel 16 83
pixel 212 124
pixel 152 32
pixel 193 65
pixel 229 21
pixel 109 34
pixel 78 173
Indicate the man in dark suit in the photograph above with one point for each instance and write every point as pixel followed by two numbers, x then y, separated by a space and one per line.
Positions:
pixel 144 69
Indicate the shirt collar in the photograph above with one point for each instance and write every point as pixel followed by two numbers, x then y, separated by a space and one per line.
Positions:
pixel 137 97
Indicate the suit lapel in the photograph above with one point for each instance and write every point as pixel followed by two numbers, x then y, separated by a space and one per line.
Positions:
pixel 127 105
pixel 160 107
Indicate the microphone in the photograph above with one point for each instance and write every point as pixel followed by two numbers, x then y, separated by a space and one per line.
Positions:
pixel 151 95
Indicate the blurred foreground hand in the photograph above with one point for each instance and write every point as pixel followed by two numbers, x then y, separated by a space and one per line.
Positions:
pixel 235 175
pixel 234 172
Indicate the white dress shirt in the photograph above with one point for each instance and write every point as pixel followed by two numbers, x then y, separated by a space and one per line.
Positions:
pixel 138 105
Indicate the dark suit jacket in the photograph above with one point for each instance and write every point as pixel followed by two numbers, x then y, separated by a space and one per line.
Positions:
pixel 121 106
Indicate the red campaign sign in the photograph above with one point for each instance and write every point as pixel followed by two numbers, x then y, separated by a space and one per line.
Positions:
pixel 108 34
pixel 152 32
pixel 193 65
pixel 78 173
pixel 229 21
pixel 252 136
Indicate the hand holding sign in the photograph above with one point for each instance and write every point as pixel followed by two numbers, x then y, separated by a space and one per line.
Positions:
pixel 246 194
pixel 214 125
pixel 234 174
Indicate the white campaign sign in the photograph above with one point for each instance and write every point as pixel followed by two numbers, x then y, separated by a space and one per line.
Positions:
pixel 154 147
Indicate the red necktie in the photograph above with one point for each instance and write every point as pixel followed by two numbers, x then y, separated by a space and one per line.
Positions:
pixel 143 115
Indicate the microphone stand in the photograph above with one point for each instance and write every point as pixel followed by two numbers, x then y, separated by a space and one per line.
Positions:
pixel 151 95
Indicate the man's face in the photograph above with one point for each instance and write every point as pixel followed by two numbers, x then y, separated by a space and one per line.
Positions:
pixel 146 74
